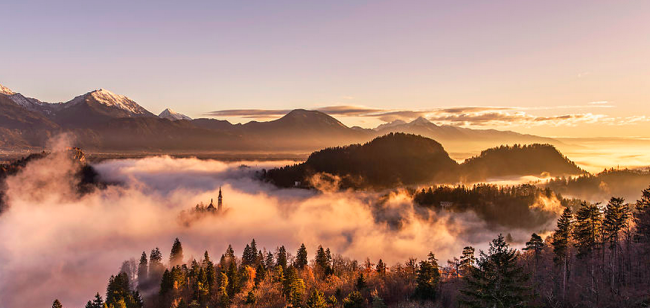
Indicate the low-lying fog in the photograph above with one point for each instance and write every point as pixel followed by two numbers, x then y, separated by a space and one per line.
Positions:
pixel 56 245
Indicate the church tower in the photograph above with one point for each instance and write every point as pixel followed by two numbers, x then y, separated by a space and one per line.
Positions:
pixel 219 200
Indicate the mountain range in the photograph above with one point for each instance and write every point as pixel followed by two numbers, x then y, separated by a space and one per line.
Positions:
pixel 103 121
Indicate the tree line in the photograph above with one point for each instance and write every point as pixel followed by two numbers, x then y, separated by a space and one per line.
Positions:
pixel 598 256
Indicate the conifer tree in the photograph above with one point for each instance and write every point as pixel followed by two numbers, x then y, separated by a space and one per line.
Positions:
pixel 176 255
pixel 354 300
pixel 143 272
pixel 57 304
pixel 642 220
pixel 616 219
pixel 467 260
pixel 233 280
pixel 428 278
pixel 301 257
pixel 381 268
pixel 224 299
pixel 210 271
pixel 498 281
pixel 560 243
pixel 316 299
pixel 156 268
pixel 282 257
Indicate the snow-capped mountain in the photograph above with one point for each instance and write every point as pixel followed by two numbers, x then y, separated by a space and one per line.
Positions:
pixel 173 115
pixel 110 99
pixel 6 91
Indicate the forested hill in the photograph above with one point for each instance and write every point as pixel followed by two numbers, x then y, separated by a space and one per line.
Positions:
pixel 405 159
pixel 518 160
pixel 386 161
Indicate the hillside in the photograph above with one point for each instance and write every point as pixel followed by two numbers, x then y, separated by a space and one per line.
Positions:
pixel 405 159
pixel 518 160
pixel 386 161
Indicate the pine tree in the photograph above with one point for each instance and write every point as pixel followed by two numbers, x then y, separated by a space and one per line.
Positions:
pixel 224 299
pixel 428 278
pixel 301 257
pixel 616 219
pixel 316 299
pixel 560 243
pixel 233 280
pixel 323 262
pixel 354 300
pixel 176 255
pixel 467 260
pixel 642 220
pixel 498 281
pixel 282 257
pixel 57 304
pixel 210 271
pixel 361 284
pixel 381 268
pixel 98 302
pixel 156 268
pixel 143 272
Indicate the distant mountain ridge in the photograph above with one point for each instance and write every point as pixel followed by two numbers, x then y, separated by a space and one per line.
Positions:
pixel 405 159
pixel 104 121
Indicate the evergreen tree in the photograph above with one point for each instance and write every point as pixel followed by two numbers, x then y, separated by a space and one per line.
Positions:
pixel 428 278
pixel 301 257
pixel 248 257
pixel 561 238
pixel 97 302
pixel 210 271
pixel 233 280
pixel 255 258
pixel 316 299
pixel 498 281
pixel 176 255
pixel 156 268
pixel 535 244
pixel 361 284
pixel 642 219
pixel 467 260
pixel 381 268
pixel 224 299
pixel 616 220
pixel 143 272
pixel 57 304
pixel 282 257
pixel 354 300
pixel 377 302
pixel 322 261
pixel 588 227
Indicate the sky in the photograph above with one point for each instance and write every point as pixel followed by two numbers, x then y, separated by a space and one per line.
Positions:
pixel 552 68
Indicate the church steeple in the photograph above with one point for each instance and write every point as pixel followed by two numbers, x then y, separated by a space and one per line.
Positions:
pixel 219 200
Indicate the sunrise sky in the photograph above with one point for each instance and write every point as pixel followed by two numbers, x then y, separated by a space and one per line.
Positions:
pixel 554 68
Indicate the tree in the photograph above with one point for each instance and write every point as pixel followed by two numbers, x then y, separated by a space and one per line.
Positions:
pixel 143 271
pixel 498 281
pixel 361 284
pixel 282 257
pixel 250 298
pixel 560 243
pixel 156 268
pixel 224 299
pixel 642 219
pixel 428 277
pixel 316 299
pixel 210 272
pixel 381 268
pixel 323 261
pixel 467 260
pixel 57 304
pixel 176 255
pixel 616 219
pixel 301 257
pixel 354 300
pixel 233 279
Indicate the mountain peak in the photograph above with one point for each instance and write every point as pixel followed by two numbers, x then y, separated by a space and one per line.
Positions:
pixel 173 115
pixel 6 91
pixel 420 120
pixel 111 99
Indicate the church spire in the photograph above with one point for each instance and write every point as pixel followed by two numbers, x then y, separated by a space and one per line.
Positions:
pixel 219 200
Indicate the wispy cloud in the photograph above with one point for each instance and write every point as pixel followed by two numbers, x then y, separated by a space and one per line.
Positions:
pixel 466 116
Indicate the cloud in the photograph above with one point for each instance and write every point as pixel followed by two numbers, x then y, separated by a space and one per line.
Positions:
pixel 466 116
